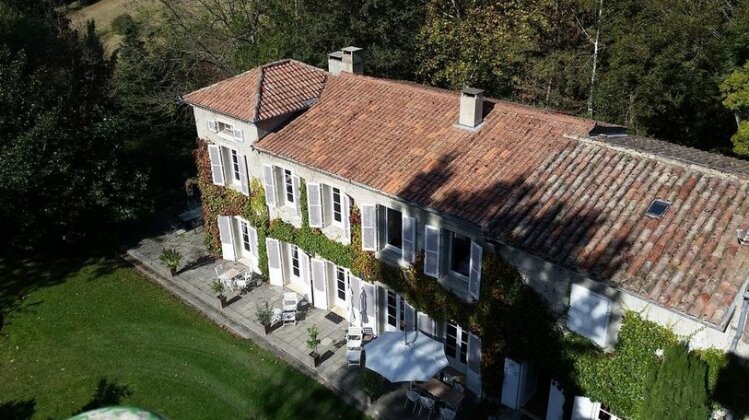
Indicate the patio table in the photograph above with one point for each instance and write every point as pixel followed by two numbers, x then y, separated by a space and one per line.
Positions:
pixel 443 392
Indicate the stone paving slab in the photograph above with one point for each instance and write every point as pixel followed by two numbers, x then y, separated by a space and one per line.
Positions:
pixel 192 285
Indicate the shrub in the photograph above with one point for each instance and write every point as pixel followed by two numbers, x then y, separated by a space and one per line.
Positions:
pixel 677 388
pixel 122 23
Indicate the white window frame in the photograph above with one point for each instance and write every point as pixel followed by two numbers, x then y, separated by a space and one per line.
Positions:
pixel 288 183
pixel 340 270
pixel 461 276
pixel 244 233
pixel 299 280
pixel 333 221
pixel 461 345
pixel 225 129
pixel 386 242
pixel 236 178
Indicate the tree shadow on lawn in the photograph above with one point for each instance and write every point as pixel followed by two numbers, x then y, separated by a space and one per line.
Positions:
pixel 303 401
pixel 106 394
pixel 18 410
pixel 21 275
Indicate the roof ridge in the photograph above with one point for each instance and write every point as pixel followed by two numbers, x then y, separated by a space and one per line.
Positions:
pixel 503 102
pixel 258 94
pixel 236 76
pixel 671 160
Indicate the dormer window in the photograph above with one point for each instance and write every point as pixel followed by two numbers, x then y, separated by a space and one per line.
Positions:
pixel 657 208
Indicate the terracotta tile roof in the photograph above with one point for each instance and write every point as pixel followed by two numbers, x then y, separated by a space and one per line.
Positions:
pixel 264 92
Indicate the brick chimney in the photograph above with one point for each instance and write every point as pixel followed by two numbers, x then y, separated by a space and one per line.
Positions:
pixel 471 107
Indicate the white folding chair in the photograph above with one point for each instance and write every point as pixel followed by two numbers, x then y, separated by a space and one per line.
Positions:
pixel 412 397
pixel 290 301
pixel 428 403
pixel 353 357
pixel 354 338
pixel 447 414
pixel 288 317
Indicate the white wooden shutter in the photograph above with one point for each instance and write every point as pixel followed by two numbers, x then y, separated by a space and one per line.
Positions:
pixel 212 126
pixel 410 316
pixel 355 289
pixel 409 239
pixel 474 278
pixel 555 408
pixel 314 205
pixel 369 227
pixel 585 409
pixel 237 134
pixel 275 273
pixel 319 285
pixel 252 232
pixel 368 300
pixel 346 214
pixel 295 181
pixel 217 164
pixel 473 362
pixel 244 181
pixel 304 267
pixel 432 251
pixel 227 239
pixel 426 324
pixel 589 314
pixel 270 185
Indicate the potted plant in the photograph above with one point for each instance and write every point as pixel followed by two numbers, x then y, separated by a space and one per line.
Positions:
pixel 171 258
pixel 218 287
pixel 312 342
pixel 264 315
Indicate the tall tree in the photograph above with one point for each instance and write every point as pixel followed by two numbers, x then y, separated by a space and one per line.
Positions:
pixel 62 173
pixel 735 88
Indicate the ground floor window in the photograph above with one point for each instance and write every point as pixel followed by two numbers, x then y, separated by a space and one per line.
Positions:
pixel 337 215
pixel 295 261
pixel 235 166
pixel 392 309
pixel 456 342
pixel 340 275
pixel 245 235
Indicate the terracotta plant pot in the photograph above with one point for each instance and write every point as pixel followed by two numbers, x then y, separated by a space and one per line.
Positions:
pixel 267 328
pixel 222 301
pixel 173 271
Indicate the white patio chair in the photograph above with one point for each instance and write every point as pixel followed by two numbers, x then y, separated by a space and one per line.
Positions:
pixel 354 338
pixel 290 301
pixel 353 357
pixel 447 414
pixel 413 397
pixel 288 317
pixel 428 403
pixel 242 283
pixel 229 283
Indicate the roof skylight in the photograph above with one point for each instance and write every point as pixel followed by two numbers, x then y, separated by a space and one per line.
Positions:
pixel 657 208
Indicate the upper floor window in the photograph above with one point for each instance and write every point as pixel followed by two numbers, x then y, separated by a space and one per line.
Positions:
pixel 295 261
pixel 289 187
pixel 394 230
pixel 460 254
pixel 340 275
pixel 336 205
pixel 225 130
pixel 236 175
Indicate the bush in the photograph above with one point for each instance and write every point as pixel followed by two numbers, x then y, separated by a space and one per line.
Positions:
pixel 677 388
pixel 122 23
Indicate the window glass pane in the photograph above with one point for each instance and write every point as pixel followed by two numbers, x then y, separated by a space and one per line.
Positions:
pixel 392 309
pixel 394 232
pixel 337 205
pixel 463 346
pixel 460 254
pixel 295 261
pixel 341 281
pixel 289 186
pixel 451 344
pixel 235 164
pixel 245 236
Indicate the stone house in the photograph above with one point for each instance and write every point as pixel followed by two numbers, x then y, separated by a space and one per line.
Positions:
pixel 595 220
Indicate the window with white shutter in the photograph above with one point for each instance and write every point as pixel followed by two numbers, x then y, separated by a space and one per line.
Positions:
pixel 270 186
pixel 253 240
pixel 473 373
pixel 369 227
pixel 432 251
pixel 426 324
pixel 244 182
pixel 314 205
pixel 237 134
pixel 296 182
pixel 409 239
pixel 227 238
pixel 212 126
pixel 474 279
pixel 217 164
pixel 275 272
pixel 589 314
pixel 346 210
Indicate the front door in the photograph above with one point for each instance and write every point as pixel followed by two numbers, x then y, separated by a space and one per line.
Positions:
pixel 341 282
pixel 319 283
pixel 456 345
pixel 399 313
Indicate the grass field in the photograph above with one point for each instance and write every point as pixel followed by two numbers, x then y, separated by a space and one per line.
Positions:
pixel 104 335
pixel 103 13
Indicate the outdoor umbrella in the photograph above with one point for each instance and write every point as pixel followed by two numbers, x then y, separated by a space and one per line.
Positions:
pixel 400 357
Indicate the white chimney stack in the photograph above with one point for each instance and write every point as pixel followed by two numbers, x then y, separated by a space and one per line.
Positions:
pixel 353 60
pixel 335 62
pixel 471 107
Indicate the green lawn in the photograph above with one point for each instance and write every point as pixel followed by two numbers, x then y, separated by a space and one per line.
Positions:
pixel 104 334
